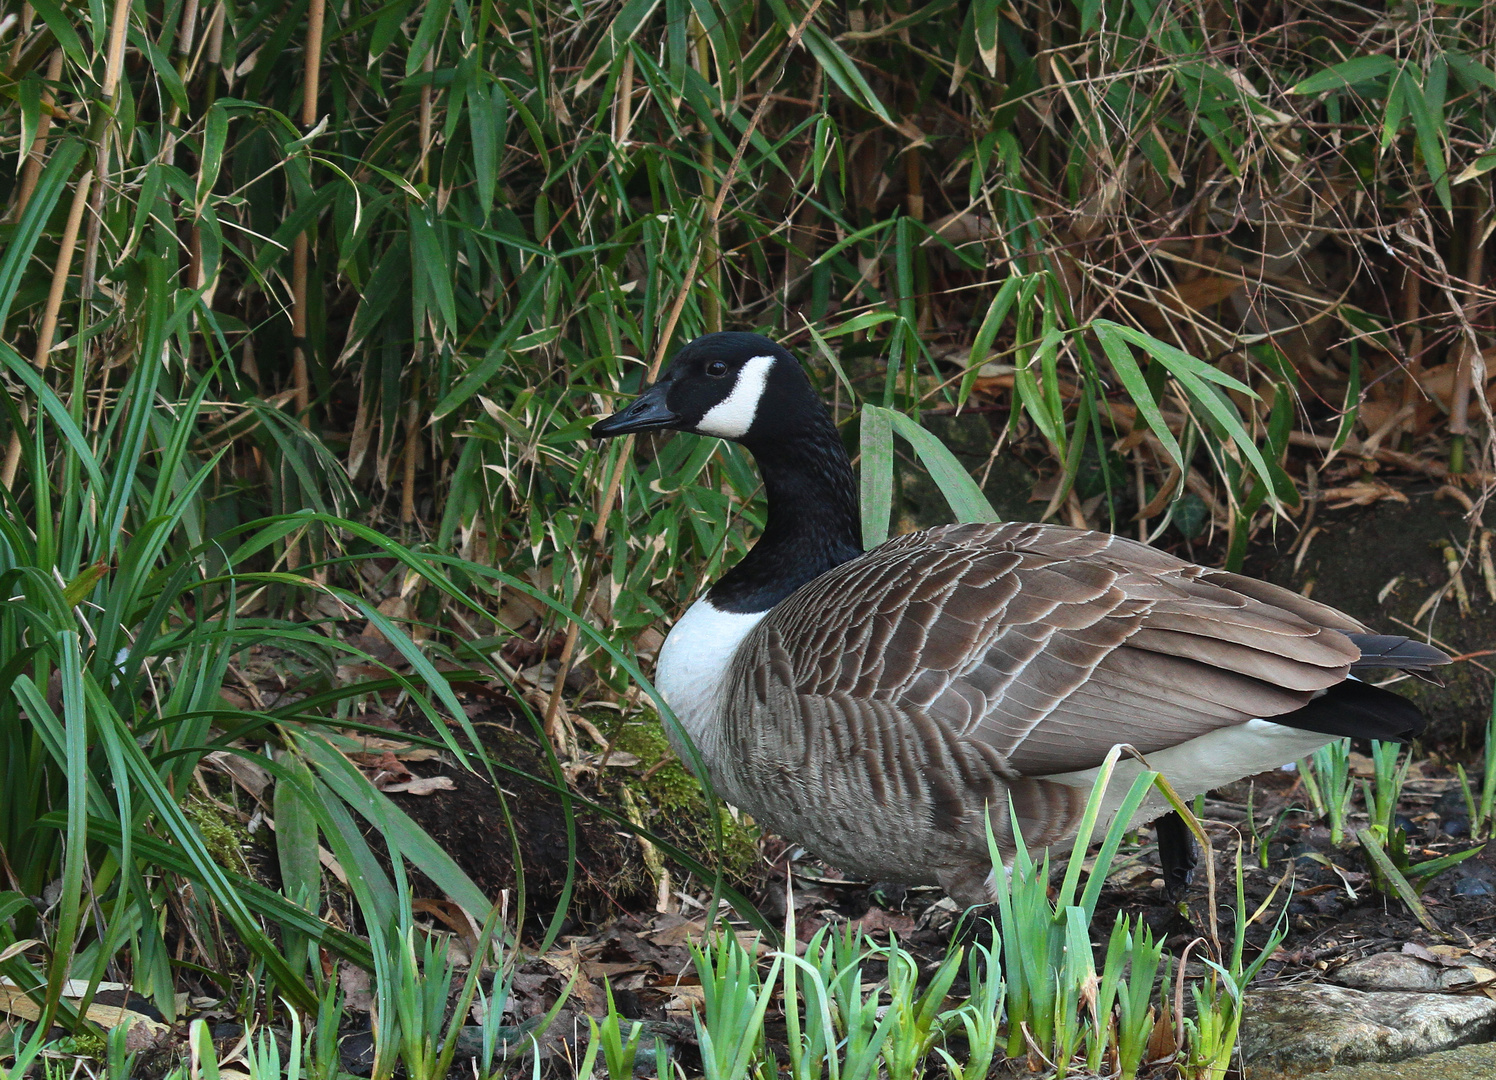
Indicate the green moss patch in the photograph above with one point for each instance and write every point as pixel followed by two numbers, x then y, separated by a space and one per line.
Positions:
pixel 673 804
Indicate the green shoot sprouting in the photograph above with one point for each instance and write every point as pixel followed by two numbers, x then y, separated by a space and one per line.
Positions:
pixel 1482 808
pixel 1327 779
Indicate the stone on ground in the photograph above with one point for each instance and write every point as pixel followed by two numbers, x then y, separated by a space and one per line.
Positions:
pixel 1294 1031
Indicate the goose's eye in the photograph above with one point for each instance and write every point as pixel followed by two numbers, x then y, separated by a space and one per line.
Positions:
pixel 717 367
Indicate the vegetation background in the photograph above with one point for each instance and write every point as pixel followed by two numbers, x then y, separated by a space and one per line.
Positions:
pixel 307 308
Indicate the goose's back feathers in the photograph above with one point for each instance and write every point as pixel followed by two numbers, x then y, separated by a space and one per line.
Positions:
pixel 1025 637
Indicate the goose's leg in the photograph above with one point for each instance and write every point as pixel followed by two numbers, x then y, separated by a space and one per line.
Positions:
pixel 1176 853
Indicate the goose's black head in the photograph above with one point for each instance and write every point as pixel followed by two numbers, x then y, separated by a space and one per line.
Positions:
pixel 734 386
pixel 746 388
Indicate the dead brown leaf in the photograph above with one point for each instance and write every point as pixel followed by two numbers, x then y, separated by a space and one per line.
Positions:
pixel 569 966
pixel 964 227
pixel 251 777
pixel 676 931
pixel 375 746
pixel 877 919
pixel 358 992
pixel 421 785
pixel 385 769
pixel 684 999
pixel 1206 290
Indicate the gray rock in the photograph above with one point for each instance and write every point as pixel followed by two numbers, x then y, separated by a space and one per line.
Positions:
pixel 1291 1032
pixel 1470 885
pixel 1460 1064
pixel 1399 971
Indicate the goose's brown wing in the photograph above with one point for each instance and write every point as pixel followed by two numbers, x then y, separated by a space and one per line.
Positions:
pixel 1041 647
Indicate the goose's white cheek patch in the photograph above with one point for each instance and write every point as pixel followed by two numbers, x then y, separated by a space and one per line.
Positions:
pixel 731 417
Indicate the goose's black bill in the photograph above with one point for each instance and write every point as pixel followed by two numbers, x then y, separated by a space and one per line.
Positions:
pixel 649 412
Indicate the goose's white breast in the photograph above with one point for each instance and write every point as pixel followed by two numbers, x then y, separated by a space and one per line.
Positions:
pixel 692 667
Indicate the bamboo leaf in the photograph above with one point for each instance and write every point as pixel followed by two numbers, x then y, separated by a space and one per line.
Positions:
pixel 432 25
pixel 498 350
pixel 61 24
pixel 1429 128
pixel 626 26
pixel 1135 383
pixel 988 14
pixel 215 136
pixel 1197 378
pixel 997 314
pixel 877 474
pixel 837 65
pixel 163 68
pixel 22 242
pixel 1470 71
pixel 962 493
pixel 1352 72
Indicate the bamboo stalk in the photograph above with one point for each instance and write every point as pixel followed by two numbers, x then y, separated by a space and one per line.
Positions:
pixel 615 479
pixel 186 33
pixel 623 101
pixel 1459 405
pixel 301 390
pixel 99 132
pixel 423 127
pixel 213 53
pixel 23 30
pixel 87 195
pixel 37 155
pixel 48 332
pixel 1413 334
pixel 411 455
pixel 300 383
pixel 711 303
pixel 300 247
pixel 212 59
pixel 30 174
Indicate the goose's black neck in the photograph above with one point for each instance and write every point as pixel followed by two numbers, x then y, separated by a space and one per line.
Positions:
pixel 813 523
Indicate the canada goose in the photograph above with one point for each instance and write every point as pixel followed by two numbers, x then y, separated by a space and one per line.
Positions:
pixel 873 706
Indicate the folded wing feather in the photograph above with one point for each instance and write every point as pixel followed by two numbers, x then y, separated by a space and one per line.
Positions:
pixel 1050 644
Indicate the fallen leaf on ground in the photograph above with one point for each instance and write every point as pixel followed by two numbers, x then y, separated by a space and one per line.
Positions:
pixel 878 919
pixel 684 999
pixel 358 991
pixel 251 777
pixel 375 747
pixel 421 785
pixel 386 768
